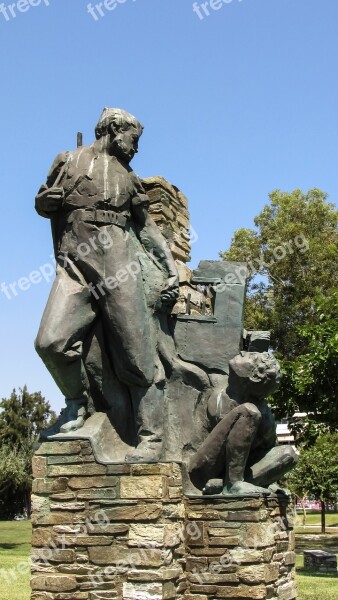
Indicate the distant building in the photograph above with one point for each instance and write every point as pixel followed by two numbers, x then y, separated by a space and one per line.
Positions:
pixel 284 435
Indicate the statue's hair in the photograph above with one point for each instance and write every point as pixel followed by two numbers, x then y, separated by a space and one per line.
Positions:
pixel 263 362
pixel 118 117
pixel 258 367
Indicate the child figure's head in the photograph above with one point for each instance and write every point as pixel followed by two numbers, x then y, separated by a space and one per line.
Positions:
pixel 256 374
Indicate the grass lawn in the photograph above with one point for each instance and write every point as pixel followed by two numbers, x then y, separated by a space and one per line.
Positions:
pixel 313 519
pixel 15 540
pixel 15 544
pixel 315 587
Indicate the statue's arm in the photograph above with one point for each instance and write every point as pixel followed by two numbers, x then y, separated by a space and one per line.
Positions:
pixel 153 241
pixel 50 196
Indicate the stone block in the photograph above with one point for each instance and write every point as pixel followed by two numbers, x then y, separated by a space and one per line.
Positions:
pixel 87 541
pixel 272 572
pixel 225 541
pixel 39 466
pixel 222 532
pixel 252 574
pixel 142 487
pixel 290 558
pixel 208 552
pixel 175 492
pixel 70 460
pixel 73 506
pixel 54 518
pixel 109 493
pixel 258 535
pixel 257 592
pixel 143 575
pixel 59 448
pixel 88 483
pixel 54 555
pixel 101 555
pixel 152 469
pixel 73 596
pixel 169 591
pixel 103 595
pixel 210 578
pixel 194 597
pixel 196 564
pixel 287 591
pixel 40 504
pixel 141 512
pixel 142 591
pixel 195 533
pixel 282 546
pixel 243 516
pixel 63 497
pixel 42 537
pixel 49 486
pixel 244 556
pixel 54 583
pixel 145 535
pixel 72 470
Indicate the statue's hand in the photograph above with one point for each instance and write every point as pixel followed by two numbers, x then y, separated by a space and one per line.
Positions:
pixel 170 293
pixel 49 199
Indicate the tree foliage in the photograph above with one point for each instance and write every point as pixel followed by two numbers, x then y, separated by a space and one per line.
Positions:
pixel 316 473
pixel 22 417
pixel 292 256
pixel 311 380
pixel 294 253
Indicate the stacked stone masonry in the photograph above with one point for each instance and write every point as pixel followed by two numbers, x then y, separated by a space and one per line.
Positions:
pixel 127 532
pixel 169 209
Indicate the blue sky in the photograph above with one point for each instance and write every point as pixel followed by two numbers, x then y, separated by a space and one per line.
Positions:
pixel 234 105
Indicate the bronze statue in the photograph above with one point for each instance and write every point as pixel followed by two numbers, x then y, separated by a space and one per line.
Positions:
pixel 98 211
pixel 240 455
pixel 175 386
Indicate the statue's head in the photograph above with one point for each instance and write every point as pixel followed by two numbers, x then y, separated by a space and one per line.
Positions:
pixel 120 132
pixel 254 373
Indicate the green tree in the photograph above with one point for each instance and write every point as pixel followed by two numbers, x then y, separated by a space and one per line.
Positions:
pixel 15 481
pixel 22 417
pixel 316 472
pixel 292 256
pixel 311 380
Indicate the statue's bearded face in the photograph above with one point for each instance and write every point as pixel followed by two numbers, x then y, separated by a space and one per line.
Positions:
pixel 124 141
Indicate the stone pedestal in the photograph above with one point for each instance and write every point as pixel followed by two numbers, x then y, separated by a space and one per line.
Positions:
pixel 128 532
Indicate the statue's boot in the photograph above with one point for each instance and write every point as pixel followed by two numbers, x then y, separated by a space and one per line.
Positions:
pixel 213 487
pixel 146 452
pixel 71 418
pixel 148 406
pixel 241 488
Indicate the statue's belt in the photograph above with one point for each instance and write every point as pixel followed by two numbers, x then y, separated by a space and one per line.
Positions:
pixel 98 216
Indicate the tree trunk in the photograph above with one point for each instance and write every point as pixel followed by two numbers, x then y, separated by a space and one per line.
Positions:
pixel 304 511
pixel 323 516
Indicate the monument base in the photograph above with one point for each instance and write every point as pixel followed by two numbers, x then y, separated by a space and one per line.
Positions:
pixel 128 532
